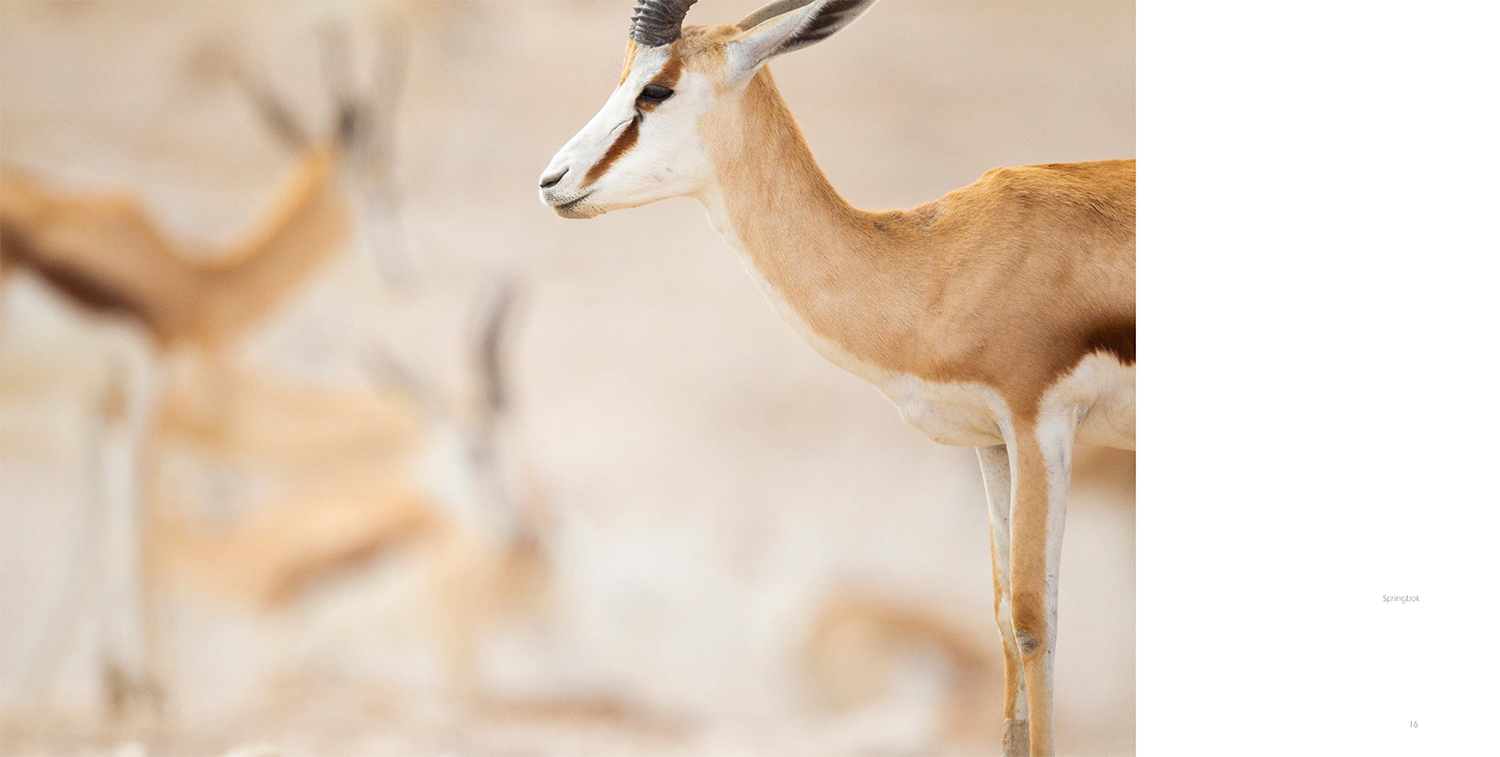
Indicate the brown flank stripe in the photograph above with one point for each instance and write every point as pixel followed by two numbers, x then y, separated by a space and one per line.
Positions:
pixel 80 286
pixel 1115 336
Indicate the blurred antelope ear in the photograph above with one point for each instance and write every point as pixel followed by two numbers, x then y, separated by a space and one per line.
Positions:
pixel 784 26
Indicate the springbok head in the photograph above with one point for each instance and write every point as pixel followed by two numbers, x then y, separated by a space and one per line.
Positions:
pixel 678 101
pixel 362 133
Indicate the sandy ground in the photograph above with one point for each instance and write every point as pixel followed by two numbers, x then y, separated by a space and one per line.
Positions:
pixel 714 481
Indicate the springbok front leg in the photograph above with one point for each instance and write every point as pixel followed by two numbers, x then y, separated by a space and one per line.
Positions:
pixel 994 463
pixel 1041 456
pixel 127 645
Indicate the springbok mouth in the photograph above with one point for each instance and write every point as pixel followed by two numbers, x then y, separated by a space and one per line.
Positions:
pixel 568 208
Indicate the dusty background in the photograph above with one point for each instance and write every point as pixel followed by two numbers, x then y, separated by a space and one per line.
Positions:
pixel 713 483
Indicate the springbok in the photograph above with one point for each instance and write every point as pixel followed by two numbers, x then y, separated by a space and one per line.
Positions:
pixel 1000 316
pixel 860 644
pixel 462 498
pixel 105 255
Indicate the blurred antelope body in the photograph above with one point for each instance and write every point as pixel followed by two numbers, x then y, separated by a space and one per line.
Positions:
pixel 999 316
pixel 858 643
pixel 290 547
pixel 244 415
pixel 103 254
pixel 467 518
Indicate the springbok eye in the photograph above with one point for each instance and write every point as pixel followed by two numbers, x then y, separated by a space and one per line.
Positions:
pixel 655 93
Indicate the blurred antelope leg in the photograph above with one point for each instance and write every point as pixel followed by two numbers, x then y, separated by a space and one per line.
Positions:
pixel 61 621
pixel 125 454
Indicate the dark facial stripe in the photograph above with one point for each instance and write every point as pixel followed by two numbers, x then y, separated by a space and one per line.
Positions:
pixel 667 77
pixel 622 144
pixel 670 73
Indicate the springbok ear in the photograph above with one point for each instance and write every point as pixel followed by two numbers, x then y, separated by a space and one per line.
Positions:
pixel 787 25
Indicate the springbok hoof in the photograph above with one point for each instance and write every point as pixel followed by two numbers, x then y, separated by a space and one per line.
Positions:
pixel 1017 739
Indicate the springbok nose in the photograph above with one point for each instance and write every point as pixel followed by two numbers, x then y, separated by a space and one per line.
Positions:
pixel 552 179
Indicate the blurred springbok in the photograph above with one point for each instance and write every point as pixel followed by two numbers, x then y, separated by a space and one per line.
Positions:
pixel 857 648
pixel 1000 316
pixel 461 497
pixel 104 254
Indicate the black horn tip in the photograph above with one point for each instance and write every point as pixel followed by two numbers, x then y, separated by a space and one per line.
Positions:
pixel 658 22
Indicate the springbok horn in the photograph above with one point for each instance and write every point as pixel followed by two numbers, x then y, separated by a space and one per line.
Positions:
pixel 350 114
pixel 267 102
pixel 658 22
pixel 489 355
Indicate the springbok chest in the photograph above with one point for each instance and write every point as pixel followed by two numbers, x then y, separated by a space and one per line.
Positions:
pixel 964 415
pixel 957 414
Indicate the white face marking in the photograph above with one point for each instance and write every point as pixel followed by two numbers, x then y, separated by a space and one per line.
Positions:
pixel 666 159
